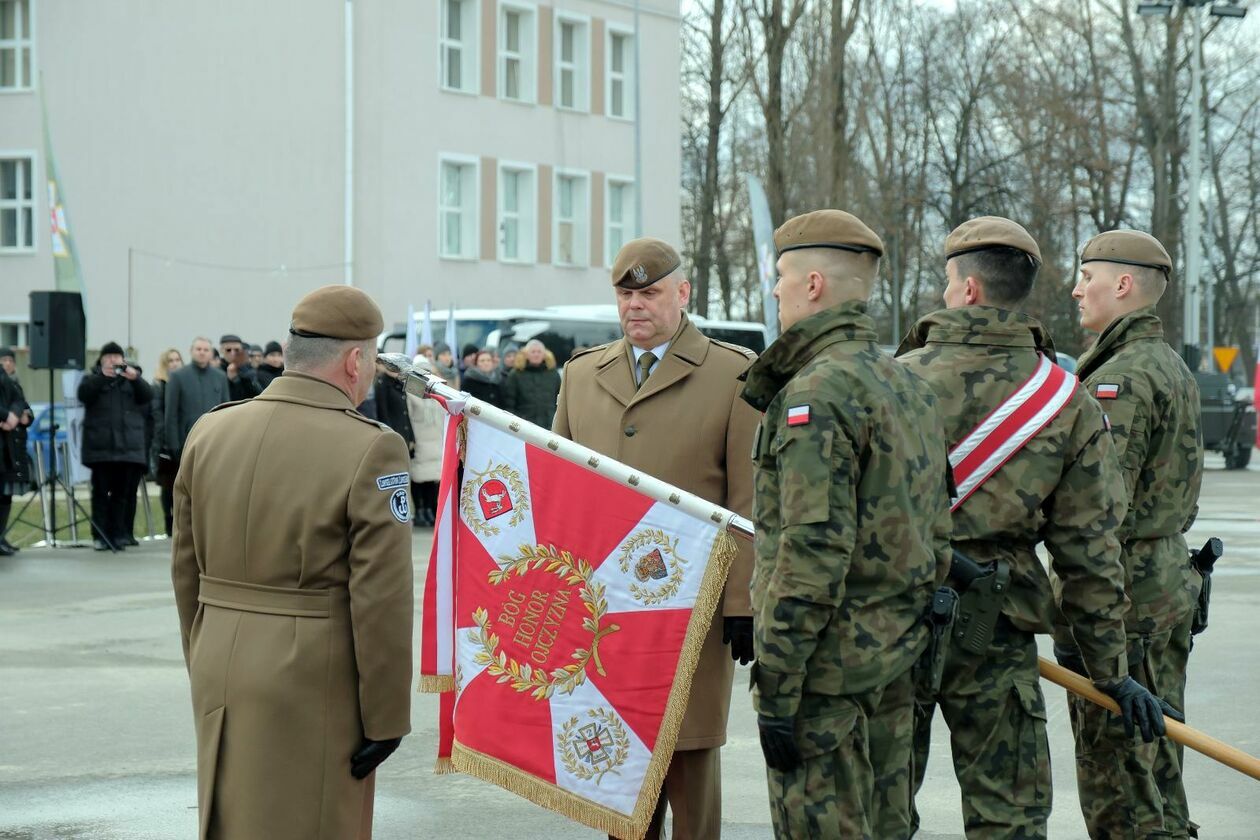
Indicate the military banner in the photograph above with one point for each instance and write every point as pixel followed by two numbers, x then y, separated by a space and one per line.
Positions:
pixel 579 607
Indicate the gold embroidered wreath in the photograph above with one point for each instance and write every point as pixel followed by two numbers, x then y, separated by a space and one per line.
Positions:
pixel 522 676
pixel 621 747
pixel 468 498
pixel 650 596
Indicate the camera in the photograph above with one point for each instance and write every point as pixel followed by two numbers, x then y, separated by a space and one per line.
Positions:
pixel 120 369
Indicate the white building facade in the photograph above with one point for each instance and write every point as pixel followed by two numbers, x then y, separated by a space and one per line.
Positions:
pixel 202 156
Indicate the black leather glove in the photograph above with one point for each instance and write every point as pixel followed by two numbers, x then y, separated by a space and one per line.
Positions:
pixel 1140 706
pixel 370 755
pixel 737 631
pixel 778 743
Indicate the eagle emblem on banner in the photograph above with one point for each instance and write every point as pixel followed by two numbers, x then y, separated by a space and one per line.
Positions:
pixel 496 491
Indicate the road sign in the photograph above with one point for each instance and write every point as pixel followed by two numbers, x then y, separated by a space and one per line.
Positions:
pixel 1225 357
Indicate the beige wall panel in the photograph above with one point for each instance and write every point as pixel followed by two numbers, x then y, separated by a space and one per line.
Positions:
pixel 545 184
pixel 489 208
pixel 597 219
pixel 597 66
pixel 546 24
pixel 489 47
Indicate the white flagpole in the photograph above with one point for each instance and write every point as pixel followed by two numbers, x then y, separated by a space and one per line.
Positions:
pixel 459 402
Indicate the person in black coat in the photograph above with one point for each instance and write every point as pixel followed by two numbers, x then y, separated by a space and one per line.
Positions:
pixel 482 381
pixel 273 364
pixel 115 400
pixel 391 406
pixel 15 466
pixel 531 389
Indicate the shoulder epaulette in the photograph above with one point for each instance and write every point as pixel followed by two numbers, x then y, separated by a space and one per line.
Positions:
pixel 222 406
pixel 351 412
pixel 737 348
pixel 590 350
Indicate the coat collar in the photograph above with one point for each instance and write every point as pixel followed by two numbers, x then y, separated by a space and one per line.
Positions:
pixel 978 325
pixel 801 342
pixel 304 389
pixel 687 351
pixel 1139 325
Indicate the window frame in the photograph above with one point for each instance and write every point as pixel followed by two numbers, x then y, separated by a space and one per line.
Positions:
pixel 581 66
pixel 614 30
pixel 581 219
pixel 627 224
pixel 470 69
pixel 32 158
pixel 527 242
pixel 18 45
pixel 473 251
pixel 528 56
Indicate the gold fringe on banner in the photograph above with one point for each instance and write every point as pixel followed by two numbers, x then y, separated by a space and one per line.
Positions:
pixel 600 817
pixel 435 684
pixel 444 766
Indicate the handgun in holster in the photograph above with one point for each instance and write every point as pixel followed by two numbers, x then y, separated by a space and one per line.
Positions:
pixel 983 590
pixel 1203 561
pixel 941 617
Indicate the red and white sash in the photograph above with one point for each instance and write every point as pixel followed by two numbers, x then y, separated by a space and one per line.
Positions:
pixel 1011 425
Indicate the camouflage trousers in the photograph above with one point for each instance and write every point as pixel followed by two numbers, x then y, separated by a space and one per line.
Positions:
pixel 996 715
pixel 1131 790
pixel 844 788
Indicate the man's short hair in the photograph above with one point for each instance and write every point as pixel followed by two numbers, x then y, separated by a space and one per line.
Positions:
pixel 200 338
pixel 531 344
pixel 1007 274
pixel 312 353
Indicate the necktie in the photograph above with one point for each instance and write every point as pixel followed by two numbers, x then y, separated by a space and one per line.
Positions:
pixel 645 367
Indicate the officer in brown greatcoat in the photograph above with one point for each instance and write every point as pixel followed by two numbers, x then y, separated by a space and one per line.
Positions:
pixel 296 625
pixel 665 399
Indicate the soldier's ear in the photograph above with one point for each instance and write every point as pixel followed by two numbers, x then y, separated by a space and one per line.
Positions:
pixel 1125 285
pixel 972 292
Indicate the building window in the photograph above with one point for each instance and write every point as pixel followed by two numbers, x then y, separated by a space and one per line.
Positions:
pixel 15 45
pixel 458 43
pixel 518 44
pixel 620 74
pixel 517 214
pixel 620 211
pixel 17 205
pixel 572 202
pixel 14 334
pixel 457 210
pixel 573 50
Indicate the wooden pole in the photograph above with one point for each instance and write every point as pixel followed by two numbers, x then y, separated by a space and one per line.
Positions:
pixel 1179 732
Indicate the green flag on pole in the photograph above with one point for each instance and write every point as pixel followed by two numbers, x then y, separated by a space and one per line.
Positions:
pixel 69 277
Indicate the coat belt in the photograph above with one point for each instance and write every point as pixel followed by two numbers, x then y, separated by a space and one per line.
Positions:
pixel 270 600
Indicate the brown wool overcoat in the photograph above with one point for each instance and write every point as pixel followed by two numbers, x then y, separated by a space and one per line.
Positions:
pixel 291 561
pixel 688 427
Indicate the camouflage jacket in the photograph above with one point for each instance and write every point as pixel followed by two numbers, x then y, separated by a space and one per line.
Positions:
pixel 1063 487
pixel 1152 401
pixel 851 509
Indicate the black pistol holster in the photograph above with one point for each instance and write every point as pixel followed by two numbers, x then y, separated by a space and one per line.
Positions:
pixel 941 617
pixel 1203 561
pixel 981 601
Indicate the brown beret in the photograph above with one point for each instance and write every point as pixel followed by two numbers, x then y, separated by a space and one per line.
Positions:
pixel 986 232
pixel 342 312
pixel 1131 247
pixel 827 229
pixel 641 262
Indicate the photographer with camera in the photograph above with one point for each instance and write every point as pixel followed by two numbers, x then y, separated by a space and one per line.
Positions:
pixel 115 400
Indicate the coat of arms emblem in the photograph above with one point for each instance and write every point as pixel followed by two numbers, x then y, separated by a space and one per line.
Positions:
pixel 651 565
pixel 488 494
pixel 494 498
pixel 651 555
pixel 593 749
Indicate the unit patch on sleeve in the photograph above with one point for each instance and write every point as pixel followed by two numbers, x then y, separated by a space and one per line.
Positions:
pixel 798 415
pixel 1107 392
pixel 389 482
pixel 400 505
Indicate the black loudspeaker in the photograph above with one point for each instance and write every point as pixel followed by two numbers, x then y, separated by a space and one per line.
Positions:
pixel 57 331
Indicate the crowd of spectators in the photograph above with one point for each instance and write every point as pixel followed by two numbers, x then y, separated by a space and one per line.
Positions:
pixel 133 427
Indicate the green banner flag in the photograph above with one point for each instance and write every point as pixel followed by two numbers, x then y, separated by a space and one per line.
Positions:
pixel 69 277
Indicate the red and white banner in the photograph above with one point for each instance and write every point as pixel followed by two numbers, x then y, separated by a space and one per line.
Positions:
pixel 578 610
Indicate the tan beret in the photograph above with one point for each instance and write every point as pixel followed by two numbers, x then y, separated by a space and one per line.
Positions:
pixel 985 232
pixel 342 312
pixel 641 262
pixel 1131 247
pixel 827 229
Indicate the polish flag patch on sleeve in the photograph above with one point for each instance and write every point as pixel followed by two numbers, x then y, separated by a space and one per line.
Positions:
pixel 1107 392
pixel 798 415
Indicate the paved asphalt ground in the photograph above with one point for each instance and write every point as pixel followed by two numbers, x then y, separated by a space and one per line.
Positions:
pixel 96 737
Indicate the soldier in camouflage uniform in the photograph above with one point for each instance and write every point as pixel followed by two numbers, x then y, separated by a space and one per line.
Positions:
pixel 1062 488
pixel 852 522
pixel 1130 789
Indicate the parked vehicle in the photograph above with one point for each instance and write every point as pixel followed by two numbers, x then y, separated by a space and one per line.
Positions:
pixel 1228 418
